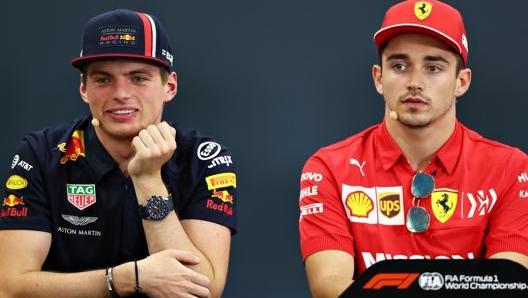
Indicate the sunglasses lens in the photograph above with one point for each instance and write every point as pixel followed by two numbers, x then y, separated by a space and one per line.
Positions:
pixel 422 185
pixel 417 219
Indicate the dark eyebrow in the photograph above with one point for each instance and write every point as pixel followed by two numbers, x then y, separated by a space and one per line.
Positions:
pixel 436 58
pixel 94 72
pixel 132 72
pixel 141 71
pixel 399 56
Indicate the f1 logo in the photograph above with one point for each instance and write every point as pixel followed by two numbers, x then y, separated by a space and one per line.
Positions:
pixel 398 280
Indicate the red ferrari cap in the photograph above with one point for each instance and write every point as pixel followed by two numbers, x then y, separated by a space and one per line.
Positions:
pixel 430 17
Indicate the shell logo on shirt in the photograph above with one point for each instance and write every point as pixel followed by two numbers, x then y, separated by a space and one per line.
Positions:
pixel 443 203
pixel 373 205
pixel 75 147
pixel 359 204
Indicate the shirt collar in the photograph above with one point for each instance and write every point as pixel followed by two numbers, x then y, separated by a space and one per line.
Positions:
pixel 447 157
pixel 98 158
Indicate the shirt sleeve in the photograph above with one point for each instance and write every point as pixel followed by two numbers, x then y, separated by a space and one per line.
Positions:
pixel 508 223
pixel 24 203
pixel 323 224
pixel 215 197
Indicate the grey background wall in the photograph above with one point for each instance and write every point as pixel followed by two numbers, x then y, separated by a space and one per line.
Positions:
pixel 272 79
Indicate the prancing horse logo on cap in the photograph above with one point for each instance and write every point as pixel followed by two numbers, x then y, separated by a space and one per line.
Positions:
pixel 422 9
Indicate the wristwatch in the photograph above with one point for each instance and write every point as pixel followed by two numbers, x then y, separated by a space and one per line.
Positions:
pixel 156 208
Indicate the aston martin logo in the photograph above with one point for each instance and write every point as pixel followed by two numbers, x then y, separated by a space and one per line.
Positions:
pixel 422 9
pixel 79 220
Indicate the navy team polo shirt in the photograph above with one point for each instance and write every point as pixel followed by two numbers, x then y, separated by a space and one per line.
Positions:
pixel 62 181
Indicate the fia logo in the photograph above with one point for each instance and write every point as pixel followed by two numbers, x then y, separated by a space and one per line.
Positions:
pixel 431 281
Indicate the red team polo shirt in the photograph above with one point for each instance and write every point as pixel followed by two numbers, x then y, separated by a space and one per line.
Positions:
pixel 355 195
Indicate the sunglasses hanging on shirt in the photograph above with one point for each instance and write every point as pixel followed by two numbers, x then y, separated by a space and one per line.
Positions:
pixel 418 218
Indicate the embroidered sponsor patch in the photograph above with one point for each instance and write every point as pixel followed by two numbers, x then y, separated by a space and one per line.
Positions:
pixel 16 182
pixel 208 150
pixel 13 206
pixel 81 195
pixel 74 148
pixel 221 180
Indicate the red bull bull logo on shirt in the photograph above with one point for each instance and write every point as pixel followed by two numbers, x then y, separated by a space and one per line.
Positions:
pixel 13 206
pixel 222 180
pixel 223 195
pixel 75 147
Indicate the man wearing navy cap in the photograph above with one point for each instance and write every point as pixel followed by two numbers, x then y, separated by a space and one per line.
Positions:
pixel 420 184
pixel 120 202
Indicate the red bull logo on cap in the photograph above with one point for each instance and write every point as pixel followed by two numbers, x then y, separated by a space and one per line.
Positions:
pixel 127 37
pixel 75 147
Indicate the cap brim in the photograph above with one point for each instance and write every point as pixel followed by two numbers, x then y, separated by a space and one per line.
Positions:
pixel 383 35
pixel 80 62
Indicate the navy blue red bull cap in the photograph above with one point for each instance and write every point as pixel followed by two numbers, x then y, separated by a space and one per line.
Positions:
pixel 124 33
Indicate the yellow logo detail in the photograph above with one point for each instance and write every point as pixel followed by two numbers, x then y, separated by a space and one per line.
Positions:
pixel 223 195
pixel 422 9
pixel 16 182
pixel 359 204
pixel 444 203
pixel 221 180
pixel 127 37
pixel 389 204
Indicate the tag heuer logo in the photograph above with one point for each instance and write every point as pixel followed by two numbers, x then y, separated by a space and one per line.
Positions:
pixel 81 195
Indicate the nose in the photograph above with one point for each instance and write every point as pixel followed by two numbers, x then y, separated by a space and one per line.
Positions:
pixel 415 83
pixel 121 88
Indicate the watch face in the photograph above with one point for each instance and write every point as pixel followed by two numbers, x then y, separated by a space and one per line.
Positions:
pixel 157 208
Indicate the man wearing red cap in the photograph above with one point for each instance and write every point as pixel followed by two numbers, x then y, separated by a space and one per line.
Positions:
pixel 420 184
pixel 120 202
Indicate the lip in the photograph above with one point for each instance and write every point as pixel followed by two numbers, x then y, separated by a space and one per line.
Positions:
pixel 414 102
pixel 122 113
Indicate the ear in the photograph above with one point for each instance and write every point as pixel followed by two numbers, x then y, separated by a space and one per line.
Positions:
pixel 82 90
pixel 171 87
pixel 463 82
pixel 376 76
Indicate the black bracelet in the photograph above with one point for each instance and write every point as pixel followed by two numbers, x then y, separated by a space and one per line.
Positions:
pixel 110 283
pixel 138 287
